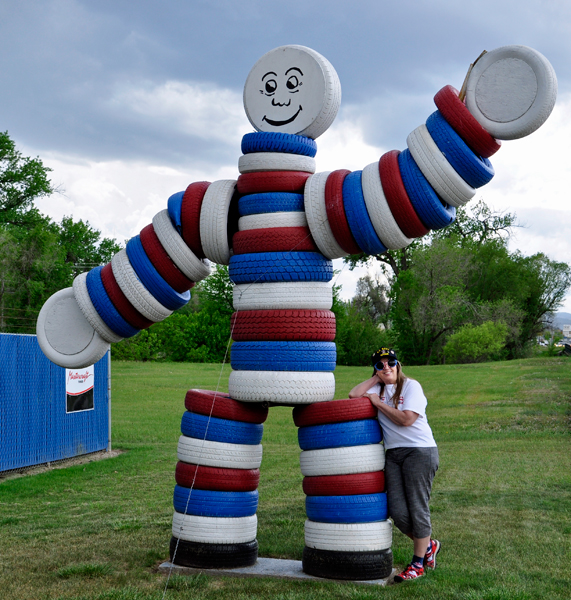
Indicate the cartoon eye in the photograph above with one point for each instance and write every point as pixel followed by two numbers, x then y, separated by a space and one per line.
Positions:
pixel 271 86
pixel 292 83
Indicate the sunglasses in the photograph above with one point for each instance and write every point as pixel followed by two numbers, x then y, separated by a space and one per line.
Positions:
pixel 380 365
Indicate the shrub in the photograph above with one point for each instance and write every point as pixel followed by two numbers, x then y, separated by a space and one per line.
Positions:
pixel 477 343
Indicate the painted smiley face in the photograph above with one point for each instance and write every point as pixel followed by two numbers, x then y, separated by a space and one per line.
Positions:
pixel 292 89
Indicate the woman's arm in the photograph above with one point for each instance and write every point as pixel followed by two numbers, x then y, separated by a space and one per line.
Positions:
pixel 360 389
pixel 404 418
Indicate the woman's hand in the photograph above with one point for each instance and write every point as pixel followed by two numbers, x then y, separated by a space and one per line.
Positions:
pixel 374 398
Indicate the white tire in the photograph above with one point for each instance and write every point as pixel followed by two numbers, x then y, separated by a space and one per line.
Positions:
pixel 281 387
pixel 511 91
pixel 283 295
pixel 441 175
pixel 182 256
pixel 214 530
pixel 342 461
pixel 275 161
pixel 295 218
pixel 219 454
pixel 65 336
pixel 379 211
pixel 89 312
pixel 314 202
pixel 349 537
pixel 135 291
pixel 214 220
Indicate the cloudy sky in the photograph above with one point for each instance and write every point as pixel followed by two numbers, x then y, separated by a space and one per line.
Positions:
pixel 129 102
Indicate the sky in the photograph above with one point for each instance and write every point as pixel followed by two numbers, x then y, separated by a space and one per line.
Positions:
pixel 129 102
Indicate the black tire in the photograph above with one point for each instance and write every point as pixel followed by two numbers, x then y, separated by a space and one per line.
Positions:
pixel 213 556
pixel 354 566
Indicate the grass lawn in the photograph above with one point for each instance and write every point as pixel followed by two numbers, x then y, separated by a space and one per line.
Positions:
pixel 501 502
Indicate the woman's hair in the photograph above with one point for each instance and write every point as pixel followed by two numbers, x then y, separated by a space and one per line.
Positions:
pixel 401 378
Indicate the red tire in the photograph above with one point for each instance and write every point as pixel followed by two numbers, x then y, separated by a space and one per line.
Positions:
pixel 190 216
pixel 397 197
pixel 272 181
pixel 283 325
pixel 274 239
pixel 464 122
pixel 345 485
pixel 120 302
pixel 215 478
pixel 162 261
pixel 336 212
pixel 336 411
pixel 201 402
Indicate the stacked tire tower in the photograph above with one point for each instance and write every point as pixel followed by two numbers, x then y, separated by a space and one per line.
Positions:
pixel 278 227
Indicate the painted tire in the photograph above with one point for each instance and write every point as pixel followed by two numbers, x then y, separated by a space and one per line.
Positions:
pixel 274 239
pixel 151 278
pixel 137 294
pixel 220 405
pixel 317 219
pixel 358 217
pixel 336 212
pixel 190 216
pixel 338 411
pixel 378 209
pixel 464 123
pixel 174 206
pixel 397 196
pixel 271 220
pixel 275 161
pixel 345 485
pixel 283 325
pixel 214 530
pixel 212 478
pixel 105 307
pixel 353 537
pixel 120 301
pixel 430 209
pixel 255 204
pixel 342 461
pixel 218 454
pixel 213 556
pixel 272 181
pixel 349 566
pixel 214 429
pixel 283 356
pixel 360 508
pixel 280 266
pixel 281 387
pixel 209 503
pixel 274 141
pixel 440 174
pixel 283 295
pixel 474 169
pixel 193 267
pixel 336 435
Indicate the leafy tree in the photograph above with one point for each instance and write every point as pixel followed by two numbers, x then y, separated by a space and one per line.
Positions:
pixel 477 343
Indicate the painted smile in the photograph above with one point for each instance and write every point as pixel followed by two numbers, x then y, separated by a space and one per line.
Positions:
pixel 280 123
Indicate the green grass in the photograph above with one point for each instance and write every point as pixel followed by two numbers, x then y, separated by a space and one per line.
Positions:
pixel 501 502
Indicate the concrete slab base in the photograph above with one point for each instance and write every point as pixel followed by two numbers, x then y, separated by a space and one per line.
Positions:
pixel 266 567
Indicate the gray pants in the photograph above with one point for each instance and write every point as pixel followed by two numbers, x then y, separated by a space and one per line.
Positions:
pixel 408 474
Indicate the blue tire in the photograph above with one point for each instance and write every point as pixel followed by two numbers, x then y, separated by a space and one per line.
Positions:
pixel 151 278
pixel 283 356
pixel 215 429
pixel 105 307
pixel 361 508
pixel 264 267
pixel 358 217
pixel 174 206
pixel 264 141
pixel 337 435
pixel 255 204
pixel 430 209
pixel 474 170
pixel 207 503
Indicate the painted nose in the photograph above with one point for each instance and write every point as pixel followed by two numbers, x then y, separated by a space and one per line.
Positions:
pixel 274 103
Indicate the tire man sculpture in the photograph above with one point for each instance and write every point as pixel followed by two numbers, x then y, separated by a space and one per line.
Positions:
pixel 292 223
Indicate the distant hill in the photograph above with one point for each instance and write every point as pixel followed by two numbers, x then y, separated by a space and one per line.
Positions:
pixel 562 318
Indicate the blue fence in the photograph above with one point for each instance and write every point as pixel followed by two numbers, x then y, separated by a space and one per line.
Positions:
pixel 35 425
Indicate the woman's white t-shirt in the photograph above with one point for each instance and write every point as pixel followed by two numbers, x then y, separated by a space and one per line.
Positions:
pixel 417 435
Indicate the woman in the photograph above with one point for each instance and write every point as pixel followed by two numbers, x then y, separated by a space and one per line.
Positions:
pixel 411 455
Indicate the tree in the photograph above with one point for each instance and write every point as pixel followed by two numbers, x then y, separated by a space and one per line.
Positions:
pixel 477 343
